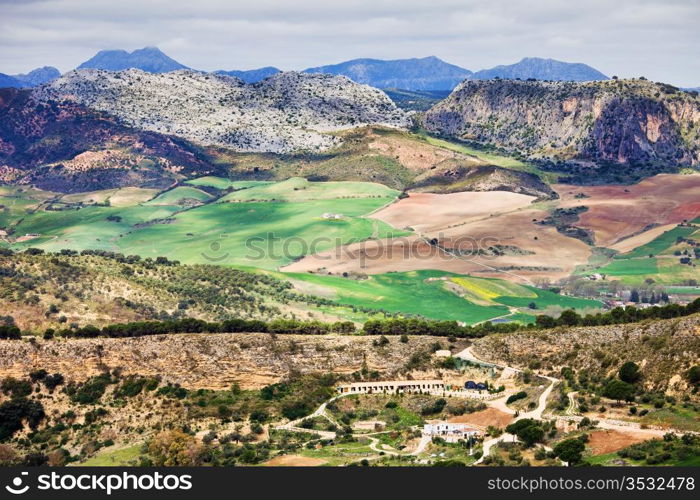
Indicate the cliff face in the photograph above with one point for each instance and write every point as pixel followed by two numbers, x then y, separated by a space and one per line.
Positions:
pixel 619 121
pixel 213 361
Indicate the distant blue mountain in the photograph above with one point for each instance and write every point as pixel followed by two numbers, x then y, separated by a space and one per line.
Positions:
pixel 251 75
pixel 542 69
pixel 149 59
pixel 428 73
pixel 31 79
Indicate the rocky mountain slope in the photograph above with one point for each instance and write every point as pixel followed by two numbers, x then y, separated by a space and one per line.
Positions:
pixel 250 75
pixel 149 59
pixel 615 121
pixel 664 349
pixel 31 79
pixel 428 73
pixel 39 140
pixel 541 69
pixel 286 112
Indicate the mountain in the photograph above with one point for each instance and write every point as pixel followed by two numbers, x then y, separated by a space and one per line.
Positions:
pixel 632 122
pixel 284 113
pixel 428 73
pixel 63 146
pixel 31 79
pixel 541 69
pixel 251 75
pixel 149 59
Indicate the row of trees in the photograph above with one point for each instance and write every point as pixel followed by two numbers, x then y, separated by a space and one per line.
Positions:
pixel 393 326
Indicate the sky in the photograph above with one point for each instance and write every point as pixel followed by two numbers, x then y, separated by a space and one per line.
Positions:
pixel 658 39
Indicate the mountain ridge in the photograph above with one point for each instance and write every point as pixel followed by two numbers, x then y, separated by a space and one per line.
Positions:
pixel 541 69
pixel 35 77
pixel 150 59
pixel 427 73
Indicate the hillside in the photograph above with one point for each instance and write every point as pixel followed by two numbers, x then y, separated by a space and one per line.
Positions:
pixel 541 69
pixel 67 147
pixel 149 59
pixel 286 112
pixel 631 122
pixel 427 73
pixel 42 291
pixel 665 350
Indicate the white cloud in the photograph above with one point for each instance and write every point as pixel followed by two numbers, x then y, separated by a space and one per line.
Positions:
pixel 657 38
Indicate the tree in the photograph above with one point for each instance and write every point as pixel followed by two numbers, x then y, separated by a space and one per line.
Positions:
pixel 529 431
pixel 634 296
pixel 569 318
pixel 693 375
pixel 629 372
pixel 570 450
pixel 618 390
pixel 175 449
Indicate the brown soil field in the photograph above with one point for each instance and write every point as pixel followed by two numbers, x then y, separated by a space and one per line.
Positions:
pixel 617 212
pixel 621 217
pixel 484 418
pixel 429 212
pixel 294 461
pixel 469 221
pixel 606 441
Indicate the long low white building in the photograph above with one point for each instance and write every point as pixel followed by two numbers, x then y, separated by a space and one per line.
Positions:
pixel 450 432
pixel 395 386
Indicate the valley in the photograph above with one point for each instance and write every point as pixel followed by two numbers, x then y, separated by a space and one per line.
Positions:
pixel 274 268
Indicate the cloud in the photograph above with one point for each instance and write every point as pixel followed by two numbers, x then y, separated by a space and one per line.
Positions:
pixel 656 38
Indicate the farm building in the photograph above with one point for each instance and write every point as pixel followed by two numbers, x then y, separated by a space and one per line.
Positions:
pixel 397 386
pixel 450 432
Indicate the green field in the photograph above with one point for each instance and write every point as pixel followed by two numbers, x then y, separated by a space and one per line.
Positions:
pixel 298 189
pixel 490 291
pixel 417 292
pixel 222 183
pixel 114 457
pixel 259 234
pixel 177 195
pixel 545 298
pixel 659 244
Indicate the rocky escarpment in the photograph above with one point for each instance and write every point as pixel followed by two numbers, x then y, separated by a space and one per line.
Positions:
pixel 212 361
pixel 284 113
pixel 618 121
